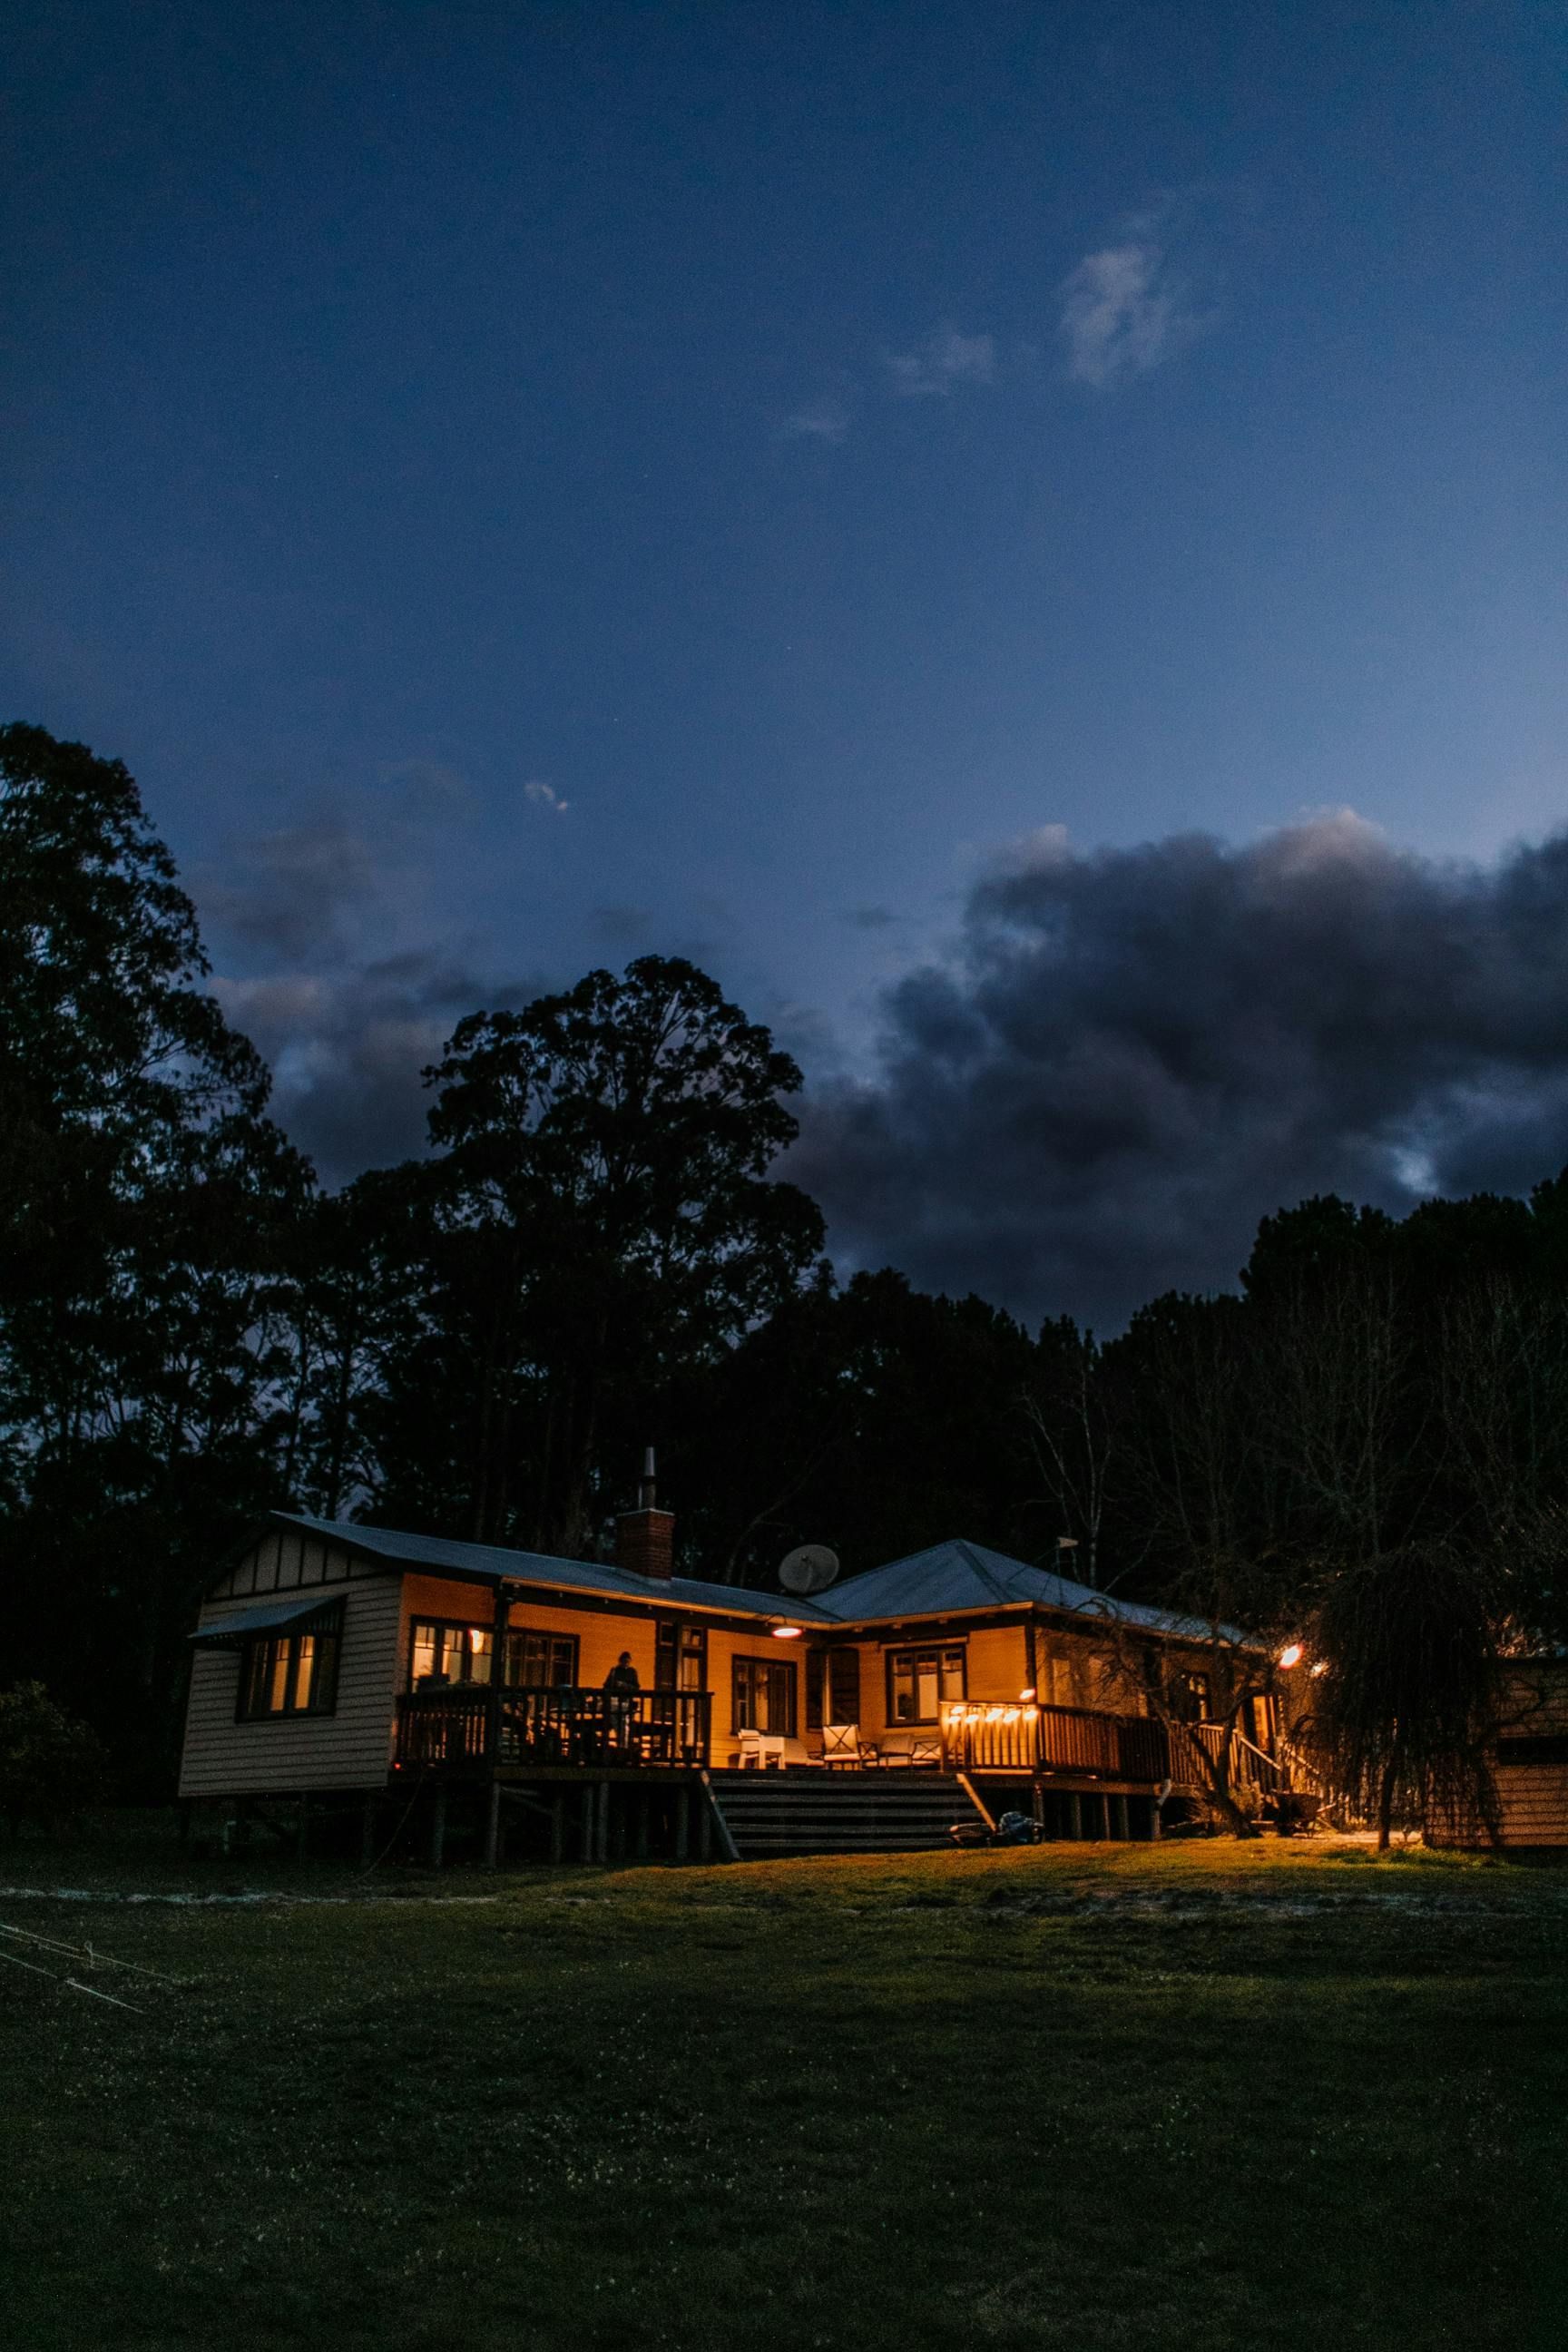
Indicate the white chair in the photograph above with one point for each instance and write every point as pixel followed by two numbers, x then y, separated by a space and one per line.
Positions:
pixel 758 1749
pixel 842 1748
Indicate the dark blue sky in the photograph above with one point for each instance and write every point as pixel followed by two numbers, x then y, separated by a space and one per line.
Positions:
pixel 524 485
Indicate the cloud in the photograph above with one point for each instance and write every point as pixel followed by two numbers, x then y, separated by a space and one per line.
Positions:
pixel 942 363
pixel 545 795
pixel 346 1050
pixel 297 891
pixel 1125 308
pixel 1134 1055
pixel 622 925
pixel 826 419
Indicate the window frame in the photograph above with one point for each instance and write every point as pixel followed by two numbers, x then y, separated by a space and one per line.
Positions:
pixel 571 1642
pixel 789 1669
pixel 915 1651
pixel 327 1634
pixel 519 1633
pixel 675 1639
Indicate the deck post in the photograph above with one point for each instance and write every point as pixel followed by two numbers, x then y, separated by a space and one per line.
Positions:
pixel 492 1824
pixel 558 1826
pixel 367 1832
pixel 603 1837
pixel 586 1813
pixel 303 1829
pixel 682 1822
pixel 438 1828
pixel 644 1803
pixel 1120 1826
pixel 1075 1814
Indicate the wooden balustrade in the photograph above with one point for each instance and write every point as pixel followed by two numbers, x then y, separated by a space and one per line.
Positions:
pixel 983 1737
pixel 473 1726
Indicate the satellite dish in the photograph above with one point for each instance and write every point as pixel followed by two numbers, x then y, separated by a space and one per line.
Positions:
pixel 810 1568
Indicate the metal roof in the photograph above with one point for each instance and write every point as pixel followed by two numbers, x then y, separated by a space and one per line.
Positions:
pixel 492 1564
pixel 947 1579
pixel 957 1576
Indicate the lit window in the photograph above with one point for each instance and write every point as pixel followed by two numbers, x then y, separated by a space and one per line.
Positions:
pixel 919 1680
pixel 290 1674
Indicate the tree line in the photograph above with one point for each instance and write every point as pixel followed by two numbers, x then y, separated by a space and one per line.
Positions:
pixel 598 1253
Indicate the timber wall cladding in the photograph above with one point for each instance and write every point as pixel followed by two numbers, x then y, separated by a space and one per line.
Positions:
pixel 350 1749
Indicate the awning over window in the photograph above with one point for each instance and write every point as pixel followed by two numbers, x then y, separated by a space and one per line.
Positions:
pixel 297 1614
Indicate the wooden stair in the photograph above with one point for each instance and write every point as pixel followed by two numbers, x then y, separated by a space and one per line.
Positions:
pixel 773 1814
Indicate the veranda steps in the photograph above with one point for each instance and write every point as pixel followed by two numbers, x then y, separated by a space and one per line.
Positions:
pixel 771 1815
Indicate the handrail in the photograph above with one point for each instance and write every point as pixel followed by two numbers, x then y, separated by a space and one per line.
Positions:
pixel 472 1726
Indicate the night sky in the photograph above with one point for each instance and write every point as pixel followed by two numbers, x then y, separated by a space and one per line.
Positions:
pixel 1027 538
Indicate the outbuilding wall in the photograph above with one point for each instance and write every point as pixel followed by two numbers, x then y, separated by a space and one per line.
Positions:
pixel 351 1748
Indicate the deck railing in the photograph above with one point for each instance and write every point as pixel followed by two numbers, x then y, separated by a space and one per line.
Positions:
pixel 474 1726
pixel 1022 1737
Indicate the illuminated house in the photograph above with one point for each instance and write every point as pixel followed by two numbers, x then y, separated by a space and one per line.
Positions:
pixel 436 1690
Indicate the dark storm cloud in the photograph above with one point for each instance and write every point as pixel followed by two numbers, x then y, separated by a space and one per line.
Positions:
pixel 297 892
pixel 1137 1054
pixel 347 1050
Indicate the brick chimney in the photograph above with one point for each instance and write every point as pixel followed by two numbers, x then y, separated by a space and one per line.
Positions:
pixel 645 1538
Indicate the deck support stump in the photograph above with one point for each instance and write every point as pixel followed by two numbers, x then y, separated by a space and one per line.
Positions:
pixel 492 1826
pixel 302 1831
pixel 586 1815
pixel 644 1806
pixel 367 1834
pixel 438 1829
pixel 682 1822
pixel 1075 1814
pixel 1120 1826
pixel 704 1827
pixel 603 1842
pixel 557 1827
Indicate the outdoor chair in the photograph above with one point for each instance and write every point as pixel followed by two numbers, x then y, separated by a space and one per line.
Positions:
pixel 759 1748
pixel 843 1748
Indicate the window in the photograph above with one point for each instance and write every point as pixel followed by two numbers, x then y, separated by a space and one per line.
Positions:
pixel 679 1656
pixel 763 1695
pixel 919 1680
pixel 541 1661
pixel 450 1654
pixel 1190 1697
pixel 462 1653
pixel 291 1674
pixel 842 1670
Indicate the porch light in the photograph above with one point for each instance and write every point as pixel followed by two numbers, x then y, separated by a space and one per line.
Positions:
pixel 786 1633
pixel 1025 1695
pixel 1291 1654
pixel 1321 1668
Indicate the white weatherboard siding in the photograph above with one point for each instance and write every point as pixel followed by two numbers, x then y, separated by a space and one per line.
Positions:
pixel 350 1749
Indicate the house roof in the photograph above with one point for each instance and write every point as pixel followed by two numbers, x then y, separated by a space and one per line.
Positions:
pixel 492 1564
pixel 947 1579
pixel 956 1576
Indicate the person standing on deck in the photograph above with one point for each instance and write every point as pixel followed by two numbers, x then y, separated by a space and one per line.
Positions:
pixel 621 1685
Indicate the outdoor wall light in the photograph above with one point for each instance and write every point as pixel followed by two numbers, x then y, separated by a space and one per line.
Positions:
pixel 1292 1656
pixel 786 1633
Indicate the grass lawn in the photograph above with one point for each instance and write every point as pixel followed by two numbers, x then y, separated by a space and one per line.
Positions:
pixel 1208 2095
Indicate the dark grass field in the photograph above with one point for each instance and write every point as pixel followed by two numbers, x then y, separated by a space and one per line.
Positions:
pixel 1215 2097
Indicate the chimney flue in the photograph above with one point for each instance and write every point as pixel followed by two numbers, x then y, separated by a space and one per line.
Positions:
pixel 645 1538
